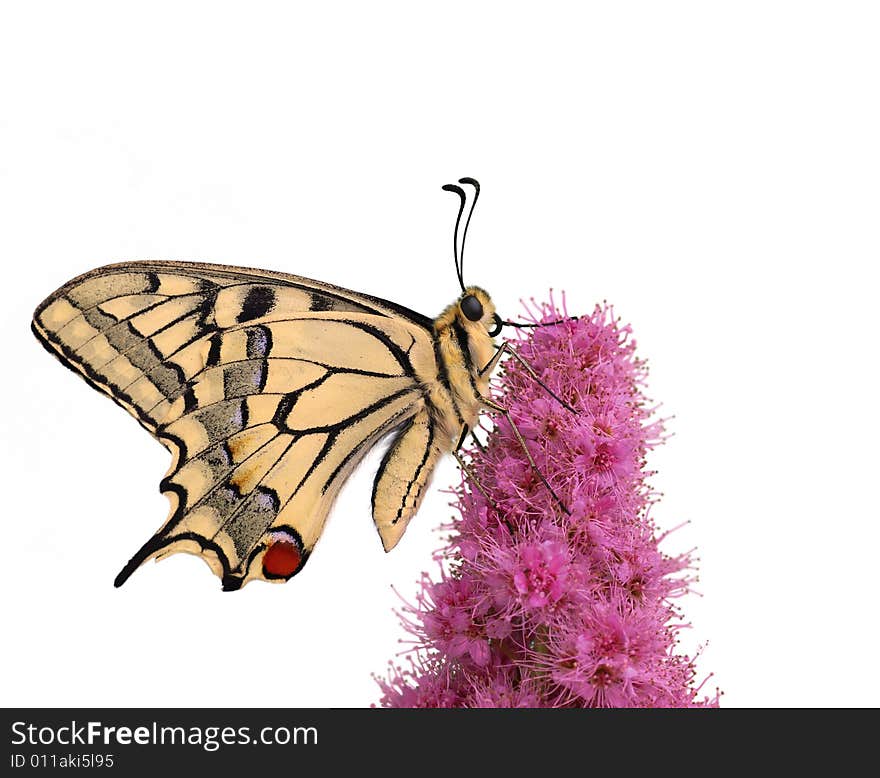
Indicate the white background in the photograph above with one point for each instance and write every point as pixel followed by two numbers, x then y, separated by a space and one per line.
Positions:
pixel 711 169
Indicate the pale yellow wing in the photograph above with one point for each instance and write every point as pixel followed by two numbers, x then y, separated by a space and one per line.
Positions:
pixel 266 388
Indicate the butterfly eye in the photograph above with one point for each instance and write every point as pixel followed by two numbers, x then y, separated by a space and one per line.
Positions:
pixel 497 325
pixel 471 307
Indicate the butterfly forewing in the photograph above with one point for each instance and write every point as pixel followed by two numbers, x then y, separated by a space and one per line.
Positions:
pixel 266 388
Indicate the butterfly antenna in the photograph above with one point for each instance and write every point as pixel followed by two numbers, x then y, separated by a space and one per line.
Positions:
pixel 476 185
pixel 463 198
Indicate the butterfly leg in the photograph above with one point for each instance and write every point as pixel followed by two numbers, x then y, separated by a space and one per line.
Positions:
pixel 470 473
pixel 507 348
pixel 506 413
pixel 466 468
pixel 465 431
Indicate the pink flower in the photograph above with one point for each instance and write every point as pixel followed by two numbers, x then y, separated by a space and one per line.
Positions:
pixel 541 577
pixel 525 577
pixel 422 685
pixel 454 621
pixel 504 691
pixel 542 608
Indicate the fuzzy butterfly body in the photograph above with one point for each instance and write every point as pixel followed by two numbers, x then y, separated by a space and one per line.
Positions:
pixel 268 389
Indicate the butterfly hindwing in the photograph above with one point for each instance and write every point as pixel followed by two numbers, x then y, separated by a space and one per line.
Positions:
pixel 403 477
pixel 266 388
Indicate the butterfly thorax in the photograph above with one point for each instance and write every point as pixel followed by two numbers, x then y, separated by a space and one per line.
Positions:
pixel 462 348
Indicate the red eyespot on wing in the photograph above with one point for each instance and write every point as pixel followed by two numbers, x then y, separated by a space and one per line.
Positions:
pixel 281 560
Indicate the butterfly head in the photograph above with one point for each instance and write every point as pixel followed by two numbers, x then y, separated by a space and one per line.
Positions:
pixel 476 312
pixel 473 313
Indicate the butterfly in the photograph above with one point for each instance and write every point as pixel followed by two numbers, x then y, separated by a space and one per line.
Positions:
pixel 269 388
